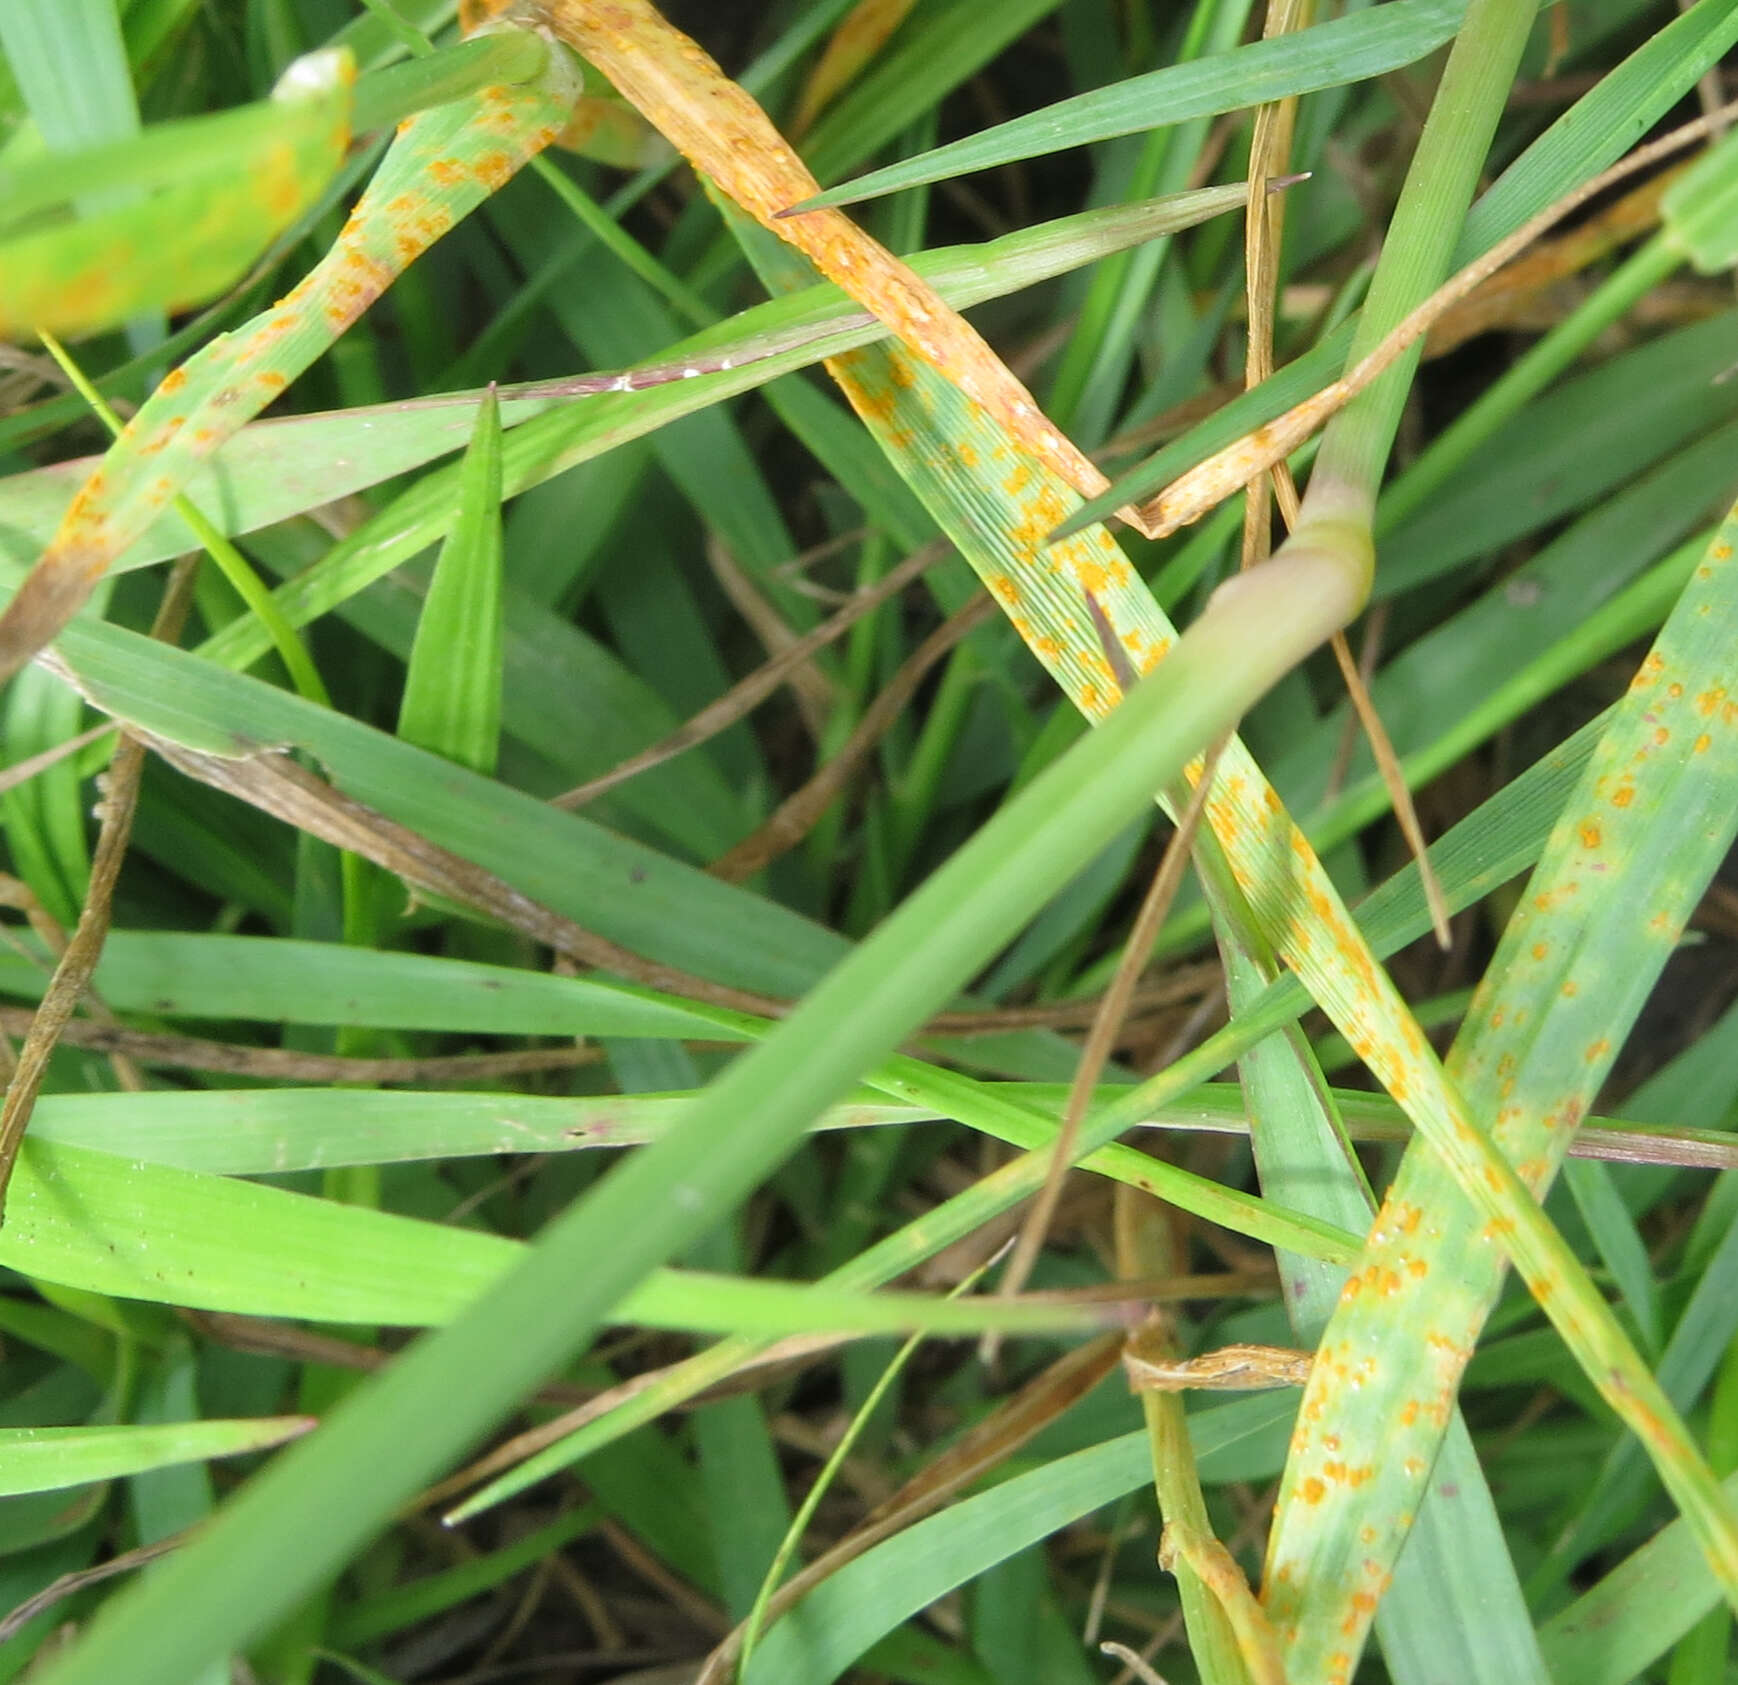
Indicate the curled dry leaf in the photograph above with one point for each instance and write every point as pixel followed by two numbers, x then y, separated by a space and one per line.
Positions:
pixel 1238 1368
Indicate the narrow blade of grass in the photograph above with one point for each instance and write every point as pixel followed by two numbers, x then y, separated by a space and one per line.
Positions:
pixel 1368 43
pixel 452 686
pixel 45 1459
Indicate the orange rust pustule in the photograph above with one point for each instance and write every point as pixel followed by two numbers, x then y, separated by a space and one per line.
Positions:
pixel 495 169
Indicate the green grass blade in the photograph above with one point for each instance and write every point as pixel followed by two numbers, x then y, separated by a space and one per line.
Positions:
pixel 1094 367
pixel 259 1132
pixel 1604 123
pixel 1417 253
pixel 70 64
pixel 44 1459
pixel 1701 210
pixel 1702 1333
pixel 1366 43
pixel 44 820
pixel 1621 1249
pixel 1638 1610
pixel 79 1219
pixel 601 713
pixel 384 98
pixel 452 687
pixel 820 1638
pixel 280 980
pixel 558 859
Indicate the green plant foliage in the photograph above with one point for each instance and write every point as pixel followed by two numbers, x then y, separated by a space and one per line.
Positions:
pixel 450 1128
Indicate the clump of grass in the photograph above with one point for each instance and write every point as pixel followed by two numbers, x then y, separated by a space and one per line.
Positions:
pixel 402 1013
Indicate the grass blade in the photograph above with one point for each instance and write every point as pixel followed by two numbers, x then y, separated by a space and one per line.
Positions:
pixel 452 687
pixel 44 1459
pixel 838 1621
pixel 1366 43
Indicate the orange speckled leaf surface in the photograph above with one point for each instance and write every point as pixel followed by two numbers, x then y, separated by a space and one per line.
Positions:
pixel 939 437
pixel 442 164
pixel 720 129
pixel 1650 821
pixel 995 503
pixel 196 203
